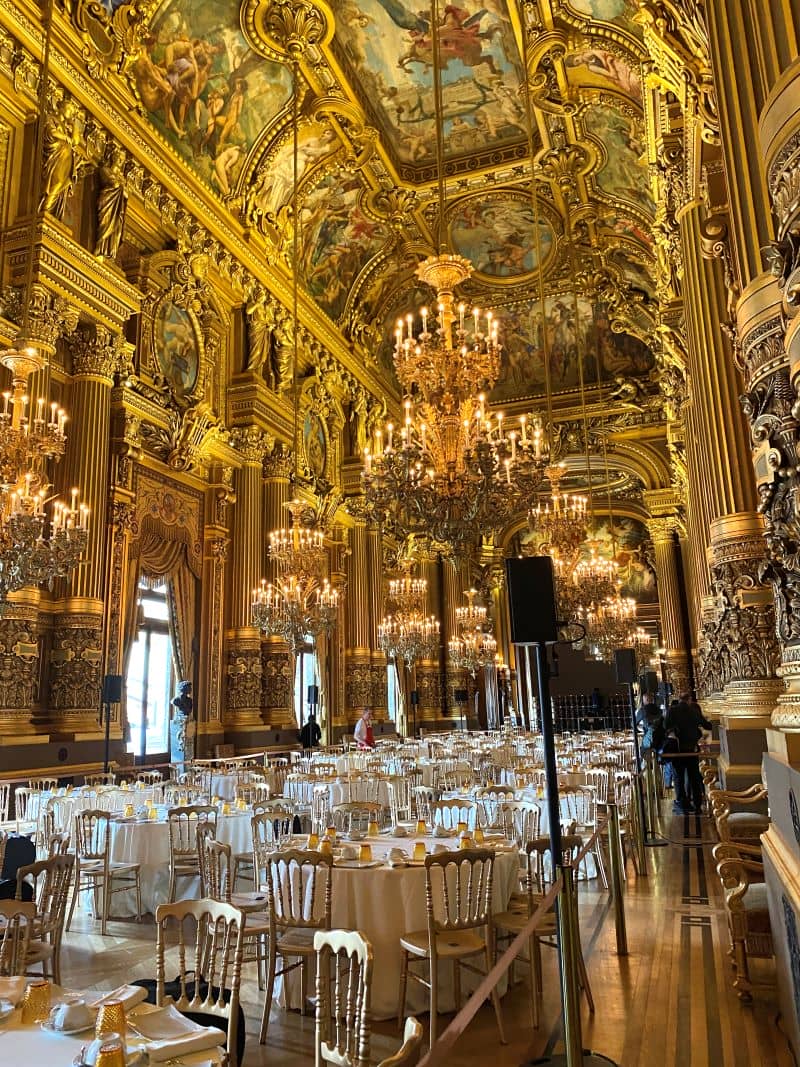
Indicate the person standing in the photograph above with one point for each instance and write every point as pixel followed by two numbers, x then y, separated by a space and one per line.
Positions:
pixel 687 722
pixel 363 731
pixel 310 734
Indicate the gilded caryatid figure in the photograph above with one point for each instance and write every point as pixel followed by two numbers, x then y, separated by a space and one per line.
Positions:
pixel 268 348
pixel 63 155
pixel 112 203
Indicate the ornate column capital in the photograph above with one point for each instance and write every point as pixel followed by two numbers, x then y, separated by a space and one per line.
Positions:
pixel 102 356
pixel 278 463
pixel 662 529
pixel 252 443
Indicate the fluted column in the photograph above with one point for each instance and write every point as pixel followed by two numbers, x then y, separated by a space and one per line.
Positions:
pixel 358 655
pixel 670 601
pixel 244 672
pixel 744 681
pixel 76 654
pixel 428 672
pixel 276 663
pixel 378 666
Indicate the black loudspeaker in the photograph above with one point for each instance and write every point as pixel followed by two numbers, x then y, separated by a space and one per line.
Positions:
pixel 313 695
pixel 650 682
pixel 625 664
pixel 414 697
pixel 460 696
pixel 112 689
pixel 532 600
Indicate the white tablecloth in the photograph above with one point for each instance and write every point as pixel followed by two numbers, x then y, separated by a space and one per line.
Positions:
pixel 147 843
pixel 384 903
pixel 29 1044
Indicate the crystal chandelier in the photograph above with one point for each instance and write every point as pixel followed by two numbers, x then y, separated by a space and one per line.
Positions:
pixel 302 603
pixel 453 470
pixel 475 647
pixel 561 523
pixel 41 538
pixel 643 643
pixel 408 634
pixel 608 625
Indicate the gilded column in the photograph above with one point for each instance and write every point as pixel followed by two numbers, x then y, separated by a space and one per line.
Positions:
pixel 275 661
pixel 738 662
pixel 428 672
pixel 76 654
pixel 378 668
pixel 358 677
pixel 244 680
pixel 670 601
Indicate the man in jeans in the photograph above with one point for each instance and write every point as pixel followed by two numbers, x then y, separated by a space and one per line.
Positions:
pixel 687 721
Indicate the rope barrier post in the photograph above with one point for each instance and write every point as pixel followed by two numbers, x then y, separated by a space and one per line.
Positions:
pixel 615 849
pixel 640 826
pixel 568 951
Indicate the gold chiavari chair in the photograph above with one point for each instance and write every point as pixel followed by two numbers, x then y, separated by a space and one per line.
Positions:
pixel 449 813
pixel 458 894
pixel 216 865
pixel 399 793
pixel 271 830
pixel 150 777
pixel 184 860
pixel 356 816
pixel 208 938
pixel 424 799
pixel 299 892
pixel 100 779
pixel 509 923
pixel 94 869
pixel 344 980
pixel 50 880
pixel 408 1052
pixel 16 922
pixel 43 785
pixel 5 799
pixel 58 843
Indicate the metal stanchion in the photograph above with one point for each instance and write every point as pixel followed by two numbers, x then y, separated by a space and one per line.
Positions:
pixel 615 850
pixel 570 984
pixel 641 834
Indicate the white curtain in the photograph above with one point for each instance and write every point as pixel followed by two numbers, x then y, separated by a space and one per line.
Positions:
pixel 492 703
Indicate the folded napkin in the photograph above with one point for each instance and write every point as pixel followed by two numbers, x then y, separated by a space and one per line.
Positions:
pixel 397 857
pixel 130 995
pixel 175 1047
pixel 13 989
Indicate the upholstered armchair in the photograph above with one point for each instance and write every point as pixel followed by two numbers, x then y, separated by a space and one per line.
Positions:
pixel 741 873
pixel 734 821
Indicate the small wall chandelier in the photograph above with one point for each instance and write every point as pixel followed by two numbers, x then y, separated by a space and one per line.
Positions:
pixel 475 648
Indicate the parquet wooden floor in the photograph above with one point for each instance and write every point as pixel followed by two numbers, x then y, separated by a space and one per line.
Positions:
pixel 669 1003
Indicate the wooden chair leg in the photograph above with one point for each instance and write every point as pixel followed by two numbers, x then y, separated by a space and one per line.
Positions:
pixel 262 1037
pixel 401 1000
pixel 495 998
pixel 75 892
pixel 434 997
pixel 106 883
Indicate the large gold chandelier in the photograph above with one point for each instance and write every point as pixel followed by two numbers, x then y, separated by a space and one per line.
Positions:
pixel 41 537
pixel 407 633
pixel 452 471
pixel 475 647
pixel 302 604
pixel 608 625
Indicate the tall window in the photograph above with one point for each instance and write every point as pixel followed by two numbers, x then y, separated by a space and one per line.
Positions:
pixel 149 680
pixel 393 695
pixel 305 674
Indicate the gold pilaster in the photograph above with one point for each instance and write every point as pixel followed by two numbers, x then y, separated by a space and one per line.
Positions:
pixel 378 668
pixel 358 660
pixel 275 659
pixel 662 531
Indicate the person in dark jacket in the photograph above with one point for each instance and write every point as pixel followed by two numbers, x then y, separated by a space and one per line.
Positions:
pixel 686 720
pixel 311 733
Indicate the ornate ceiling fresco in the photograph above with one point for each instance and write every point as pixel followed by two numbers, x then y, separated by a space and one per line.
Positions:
pixel 219 94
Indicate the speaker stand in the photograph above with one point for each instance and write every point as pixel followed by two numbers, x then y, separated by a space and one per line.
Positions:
pixel 107 740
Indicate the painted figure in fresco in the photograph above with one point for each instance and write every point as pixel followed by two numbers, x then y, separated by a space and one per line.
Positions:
pixel 153 86
pixel 605 64
pixel 460 36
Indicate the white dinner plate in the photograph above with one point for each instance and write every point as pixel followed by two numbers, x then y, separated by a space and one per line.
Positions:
pixel 362 864
pixel 166 1023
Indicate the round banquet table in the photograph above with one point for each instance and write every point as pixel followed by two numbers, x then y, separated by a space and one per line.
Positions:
pixel 385 902
pixel 146 842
